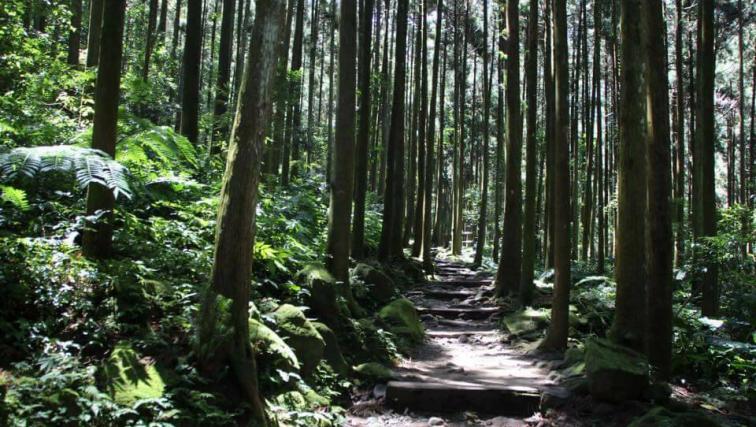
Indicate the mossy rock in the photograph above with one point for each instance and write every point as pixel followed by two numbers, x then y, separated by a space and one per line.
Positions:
pixel 267 341
pixel 662 417
pixel 332 353
pixel 592 282
pixel 128 377
pixel 373 371
pixel 323 292
pixel 615 373
pixel 381 287
pixel 526 321
pixel 301 336
pixel 403 321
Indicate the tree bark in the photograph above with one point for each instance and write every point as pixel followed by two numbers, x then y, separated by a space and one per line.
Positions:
pixel 95 29
pixel 191 67
pixel 150 39
pixel 97 241
pixel 74 37
pixel 234 237
pixel 224 67
pixel 418 231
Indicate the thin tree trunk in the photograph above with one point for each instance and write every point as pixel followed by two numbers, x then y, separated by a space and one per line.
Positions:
pixel 500 172
pixel 224 68
pixel 483 211
pixel 95 28
pixel 418 231
pixel 97 241
pixel 74 37
pixel 151 37
pixel 191 67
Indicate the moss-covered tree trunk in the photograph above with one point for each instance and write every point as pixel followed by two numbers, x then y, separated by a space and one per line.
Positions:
pixel 98 237
pixel 508 273
pixel 659 284
pixel 224 315
pixel 556 337
pixel 628 327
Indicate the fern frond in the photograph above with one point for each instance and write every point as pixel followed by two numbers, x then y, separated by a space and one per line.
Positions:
pixel 14 196
pixel 86 164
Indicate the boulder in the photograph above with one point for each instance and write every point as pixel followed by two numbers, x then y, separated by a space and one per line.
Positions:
pixel 323 292
pixel 381 287
pixel 526 321
pixel 300 335
pixel 332 352
pixel 373 371
pixel 662 417
pixel 403 321
pixel 615 373
pixel 128 377
pixel 267 343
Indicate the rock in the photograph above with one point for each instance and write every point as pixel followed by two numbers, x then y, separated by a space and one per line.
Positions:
pixel 379 391
pixel 301 335
pixel 268 343
pixel 592 281
pixel 660 416
pixel 526 321
pixel 658 392
pixel 332 353
pixel 381 287
pixel 403 321
pixel 373 371
pixel 436 421
pixel 323 293
pixel 615 373
pixel 128 377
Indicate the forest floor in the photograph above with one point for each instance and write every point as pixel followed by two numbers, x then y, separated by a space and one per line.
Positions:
pixel 465 369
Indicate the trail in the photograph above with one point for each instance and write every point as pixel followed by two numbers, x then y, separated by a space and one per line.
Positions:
pixel 464 374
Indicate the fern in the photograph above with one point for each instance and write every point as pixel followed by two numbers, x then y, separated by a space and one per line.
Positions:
pixel 158 143
pixel 14 196
pixel 87 165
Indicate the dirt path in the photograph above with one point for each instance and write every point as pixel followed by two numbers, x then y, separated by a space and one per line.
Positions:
pixel 463 374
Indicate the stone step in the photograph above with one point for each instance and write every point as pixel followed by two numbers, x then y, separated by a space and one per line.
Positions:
pixel 454 397
pixel 460 313
pixel 454 334
pixel 470 283
pixel 443 294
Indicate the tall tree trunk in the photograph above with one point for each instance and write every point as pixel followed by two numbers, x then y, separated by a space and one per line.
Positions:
pixel 150 39
pixel 548 84
pixel 97 241
pixel 95 29
pixel 191 67
pixel 224 67
pixel 342 179
pixel 329 139
pixel 508 274
pixel 438 237
pixel 413 158
pixel 176 28
pixel 680 141
pixel 429 162
pixel 314 27
pixel 483 211
pixel 294 116
pixel 393 204
pixel 629 318
pixel 660 249
pixel 709 288
pixel 363 131
pixel 556 337
pixel 418 231
pixel 281 96
pixel 74 37
pixel 531 88
pixel 600 255
pixel 163 19
pixel 235 229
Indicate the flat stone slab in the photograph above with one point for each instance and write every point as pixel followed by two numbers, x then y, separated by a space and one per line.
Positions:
pixel 460 313
pixel 444 294
pixel 461 283
pixel 458 333
pixel 446 398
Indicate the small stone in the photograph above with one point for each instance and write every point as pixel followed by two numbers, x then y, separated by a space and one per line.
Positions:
pixel 464 339
pixel 379 391
pixel 436 421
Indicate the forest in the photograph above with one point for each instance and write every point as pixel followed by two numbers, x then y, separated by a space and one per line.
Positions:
pixel 377 213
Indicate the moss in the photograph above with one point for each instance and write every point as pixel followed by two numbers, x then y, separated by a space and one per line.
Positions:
pixel 526 321
pixel 129 377
pixel 403 321
pixel 373 371
pixel 301 335
pixel 615 373
pixel 332 353
pixel 381 287
pixel 323 292
pixel 662 417
pixel 266 341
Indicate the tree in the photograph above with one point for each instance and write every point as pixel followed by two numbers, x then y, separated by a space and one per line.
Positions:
pixel 393 203
pixel 508 273
pixel 556 337
pixel 483 209
pixel 294 116
pixel 191 66
pixel 531 79
pixel 628 327
pixel 95 28
pixel 363 132
pixel 74 37
pixel 150 39
pixel 342 178
pixel 706 142
pixel 659 284
pixel 421 135
pixel 97 241
pixel 225 304
pixel 224 64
